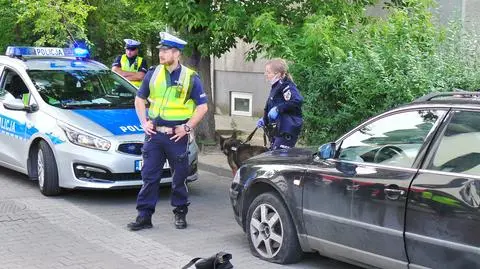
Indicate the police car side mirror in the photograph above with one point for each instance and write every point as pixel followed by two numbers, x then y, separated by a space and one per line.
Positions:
pixel 32 108
pixel 18 105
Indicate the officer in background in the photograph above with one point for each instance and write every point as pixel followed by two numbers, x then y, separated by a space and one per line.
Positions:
pixel 283 108
pixel 177 104
pixel 130 65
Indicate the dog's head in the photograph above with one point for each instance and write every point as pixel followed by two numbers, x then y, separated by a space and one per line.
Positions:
pixel 237 152
pixel 229 144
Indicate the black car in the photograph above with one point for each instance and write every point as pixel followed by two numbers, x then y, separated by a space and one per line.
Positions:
pixel 401 190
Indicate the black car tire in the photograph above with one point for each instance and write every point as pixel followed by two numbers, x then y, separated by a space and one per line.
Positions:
pixel 49 185
pixel 289 250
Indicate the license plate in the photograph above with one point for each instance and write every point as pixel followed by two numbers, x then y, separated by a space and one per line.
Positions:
pixel 139 164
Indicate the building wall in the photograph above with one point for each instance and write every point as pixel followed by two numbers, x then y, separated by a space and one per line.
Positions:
pixel 227 82
pixel 471 14
pixel 233 74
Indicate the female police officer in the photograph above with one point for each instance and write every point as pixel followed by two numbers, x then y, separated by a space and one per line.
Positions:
pixel 177 104
pixel 283 106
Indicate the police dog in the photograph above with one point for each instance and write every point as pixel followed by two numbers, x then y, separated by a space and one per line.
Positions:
pixel 237 152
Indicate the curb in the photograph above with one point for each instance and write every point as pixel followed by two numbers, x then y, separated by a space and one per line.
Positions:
pixel 215 170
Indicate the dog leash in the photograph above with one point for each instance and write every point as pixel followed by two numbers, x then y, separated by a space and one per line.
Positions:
pixel 250 136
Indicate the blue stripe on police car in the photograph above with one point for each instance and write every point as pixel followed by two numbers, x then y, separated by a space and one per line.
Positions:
pixel 22 131
pixel 116 121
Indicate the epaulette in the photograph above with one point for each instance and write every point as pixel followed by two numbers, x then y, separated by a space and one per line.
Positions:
pixel 152 67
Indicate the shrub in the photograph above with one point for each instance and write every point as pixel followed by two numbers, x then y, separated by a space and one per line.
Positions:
pixel 351 68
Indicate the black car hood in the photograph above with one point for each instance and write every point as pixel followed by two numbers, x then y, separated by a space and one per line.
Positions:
pixel 283 156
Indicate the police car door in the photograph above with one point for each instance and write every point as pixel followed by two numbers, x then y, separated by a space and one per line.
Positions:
pixel 13 144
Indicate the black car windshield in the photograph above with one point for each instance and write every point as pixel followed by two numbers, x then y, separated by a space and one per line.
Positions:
pixel 70 88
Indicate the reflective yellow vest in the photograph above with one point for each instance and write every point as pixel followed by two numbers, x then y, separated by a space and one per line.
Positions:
pixel 132 68
pixel 171 103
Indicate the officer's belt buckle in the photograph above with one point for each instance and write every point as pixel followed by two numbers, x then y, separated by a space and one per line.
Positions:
pixel 164 129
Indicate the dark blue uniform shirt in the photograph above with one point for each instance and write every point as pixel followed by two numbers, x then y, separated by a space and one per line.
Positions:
pixel 285 96
pixel 143 66
pixel 197 93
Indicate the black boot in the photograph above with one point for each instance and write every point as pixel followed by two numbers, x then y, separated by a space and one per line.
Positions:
pixel 180 217
pixel 140 223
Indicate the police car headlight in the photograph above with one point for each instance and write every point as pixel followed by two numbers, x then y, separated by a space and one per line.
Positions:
pixel 84 139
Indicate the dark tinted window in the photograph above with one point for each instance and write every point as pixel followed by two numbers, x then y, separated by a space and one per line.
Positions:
pixel 392 140
pixel 12 86
pixel 459 148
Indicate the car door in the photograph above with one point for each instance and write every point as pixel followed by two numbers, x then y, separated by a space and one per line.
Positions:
pixel 443 212
pixel 354 204
pixel 12 122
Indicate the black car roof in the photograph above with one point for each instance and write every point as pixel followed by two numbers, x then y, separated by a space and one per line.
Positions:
pixel 449 98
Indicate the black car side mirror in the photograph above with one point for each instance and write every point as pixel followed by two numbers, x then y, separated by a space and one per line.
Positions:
pixel 327 151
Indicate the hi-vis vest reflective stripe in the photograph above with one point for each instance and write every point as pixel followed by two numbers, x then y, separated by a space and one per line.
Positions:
pixel 171 103
pixel 132 68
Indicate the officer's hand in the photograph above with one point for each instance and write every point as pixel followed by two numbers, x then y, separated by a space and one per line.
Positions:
pixel 179 133
pixel 273 113
pixel 149 128
pixel 260 123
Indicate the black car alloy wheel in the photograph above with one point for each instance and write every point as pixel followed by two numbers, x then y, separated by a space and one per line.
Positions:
pixel 270 230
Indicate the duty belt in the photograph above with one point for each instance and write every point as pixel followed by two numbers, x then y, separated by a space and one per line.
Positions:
pixel 164 129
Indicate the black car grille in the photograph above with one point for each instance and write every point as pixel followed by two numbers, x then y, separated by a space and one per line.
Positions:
pixel 134 148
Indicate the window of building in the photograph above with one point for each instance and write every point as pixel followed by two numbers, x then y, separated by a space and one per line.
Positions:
pixel 241 103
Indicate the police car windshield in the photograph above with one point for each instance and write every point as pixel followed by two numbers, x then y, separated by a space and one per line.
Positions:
pixel 73 88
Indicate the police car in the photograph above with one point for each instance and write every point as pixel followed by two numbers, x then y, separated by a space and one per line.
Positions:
pixel 70 122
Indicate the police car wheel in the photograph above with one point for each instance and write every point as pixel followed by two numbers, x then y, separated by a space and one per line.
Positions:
pixel 47 170
pixel 271 233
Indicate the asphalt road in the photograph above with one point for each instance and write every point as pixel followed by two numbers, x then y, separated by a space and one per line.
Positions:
pixel 87 229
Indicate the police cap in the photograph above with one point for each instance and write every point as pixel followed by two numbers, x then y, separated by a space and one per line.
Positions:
pixel 170 41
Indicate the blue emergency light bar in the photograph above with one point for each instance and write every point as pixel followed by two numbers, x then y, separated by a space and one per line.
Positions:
pixel 46 51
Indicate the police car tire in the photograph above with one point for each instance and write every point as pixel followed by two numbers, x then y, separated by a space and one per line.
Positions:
pixel 290 250
pixel 50 183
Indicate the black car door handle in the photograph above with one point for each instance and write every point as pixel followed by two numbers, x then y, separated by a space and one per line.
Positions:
pixel 394 192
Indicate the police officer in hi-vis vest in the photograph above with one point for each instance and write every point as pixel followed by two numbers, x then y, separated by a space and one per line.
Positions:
pixel 177 104
pixel 130 65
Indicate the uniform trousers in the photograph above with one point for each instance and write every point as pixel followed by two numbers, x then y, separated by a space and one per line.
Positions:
pixel 156 149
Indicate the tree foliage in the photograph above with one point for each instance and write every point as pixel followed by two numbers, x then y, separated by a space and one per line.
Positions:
pixel 113 21
pixel 8 28
pixel 54 22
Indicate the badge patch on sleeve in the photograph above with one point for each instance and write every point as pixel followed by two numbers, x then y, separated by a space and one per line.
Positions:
pixel 287 95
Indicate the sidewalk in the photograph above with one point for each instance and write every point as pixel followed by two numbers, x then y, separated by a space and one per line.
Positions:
pixel 212 159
